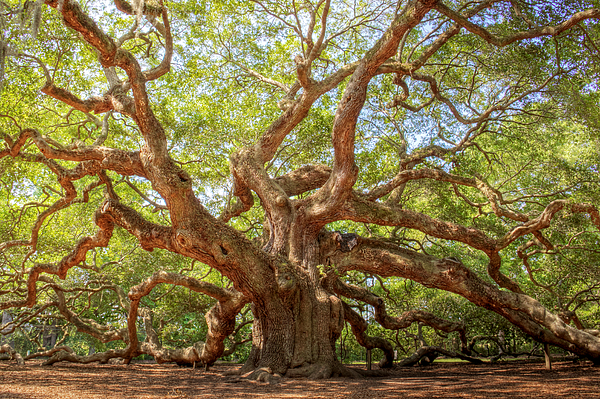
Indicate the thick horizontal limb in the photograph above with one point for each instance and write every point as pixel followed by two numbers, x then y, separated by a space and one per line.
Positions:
pixel 529 34
pixel 123 162
pixel 98 105
pixel 150 235
pixel 304 179
pixel 359 209
pixel 434 350
pixel 50 352
pixel 386 259
pixel 102 357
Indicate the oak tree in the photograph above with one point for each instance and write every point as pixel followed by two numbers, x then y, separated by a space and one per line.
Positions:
pixel 292 146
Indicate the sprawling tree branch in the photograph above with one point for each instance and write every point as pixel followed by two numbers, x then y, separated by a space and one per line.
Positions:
pixel 345 172
pixel 220 320
pixel 60 268
pixel 359 328
pixel 383 318
pixel 386 259
pixel 123 162
pixel 519 36
pixel 297 319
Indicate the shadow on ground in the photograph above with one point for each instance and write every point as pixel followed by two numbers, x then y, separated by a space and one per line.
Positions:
pixel 444 380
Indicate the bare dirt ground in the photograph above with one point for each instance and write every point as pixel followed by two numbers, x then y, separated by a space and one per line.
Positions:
pixel 441 380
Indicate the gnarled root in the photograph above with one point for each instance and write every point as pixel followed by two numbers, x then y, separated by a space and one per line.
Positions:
pixel 319 371
pixel 65 356
pixel 343 371
pixel 263 374
pixel 316 371
pixel 313 371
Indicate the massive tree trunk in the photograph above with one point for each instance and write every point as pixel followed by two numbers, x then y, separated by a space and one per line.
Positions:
pixel 298 339
pixel 295 328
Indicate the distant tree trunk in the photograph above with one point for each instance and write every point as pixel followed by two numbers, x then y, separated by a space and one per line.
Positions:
pixel 6 339
pixel 547 357
pixel 501 342
pixel 50 335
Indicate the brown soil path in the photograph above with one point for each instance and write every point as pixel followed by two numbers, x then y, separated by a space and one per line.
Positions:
pixel 444 380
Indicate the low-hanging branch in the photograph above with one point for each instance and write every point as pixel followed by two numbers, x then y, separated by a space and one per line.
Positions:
pixel 386 259
pixel 359 328
pixel 220 320
pixel 332 282
pixel 433 351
